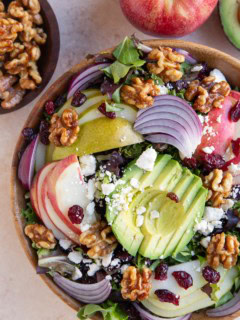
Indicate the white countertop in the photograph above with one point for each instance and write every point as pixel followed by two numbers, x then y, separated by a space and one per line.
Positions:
pixel 86 26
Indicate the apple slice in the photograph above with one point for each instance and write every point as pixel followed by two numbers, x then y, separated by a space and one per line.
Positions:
pixel 65 188
pixel 40 180
pixel 33 196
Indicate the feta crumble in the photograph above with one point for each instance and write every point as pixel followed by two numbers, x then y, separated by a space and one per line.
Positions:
pixel 77 274
pixel 106 261
pixel 211 220
pixel 213 214
pixel 75 257
pixel 88 165
pixel 93 268
pixel 234 169
pixel 140 210
pixel 197 68
pixel 219 76
pixel 91 188
pixel 154 214
pixel 134 183
pixel 205 241
pixel 124 268
pixel 208 150
pixel 107 188
pixel 147 159
pixel 139 220
pixel 163 90
pixel 227 205
pixel 65 244
pixel 108 277
pixel 90 208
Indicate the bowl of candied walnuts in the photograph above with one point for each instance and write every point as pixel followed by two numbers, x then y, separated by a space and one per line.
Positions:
pixel 29 50
pixel 118 148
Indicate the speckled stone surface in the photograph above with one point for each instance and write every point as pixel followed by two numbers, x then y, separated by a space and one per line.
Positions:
pixel 86 26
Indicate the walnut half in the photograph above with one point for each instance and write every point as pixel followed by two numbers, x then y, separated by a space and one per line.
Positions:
pixel 41 236
pixel 136 283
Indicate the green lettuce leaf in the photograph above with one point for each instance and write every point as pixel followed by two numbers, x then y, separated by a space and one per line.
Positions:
pixel 109 311
pixel 116 97
pixel 29 214
pixel 114 107
pixel 117 71
pixel 224 299
pixel 126 52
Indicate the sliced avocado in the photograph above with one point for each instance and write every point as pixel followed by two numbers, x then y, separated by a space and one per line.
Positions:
pixel 168 176
pixel 229 15
pixel 183 183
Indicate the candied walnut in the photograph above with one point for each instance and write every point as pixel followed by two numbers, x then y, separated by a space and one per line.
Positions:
pixel 1 6
pixel 6 82
pixel 9 29
pixel 29 32
pixel 219 186
pixel 140 93
pixel 18 48
pixel 136 283
pixel 166 64
pixel 64 129
pixel 12 97
pixel 223 249
pixel 207 94
pixel 33 5
pixel 37 19
pixel 18 64
pixel 40 36
pixel 41 236
pixel 99 239
pixel 15 9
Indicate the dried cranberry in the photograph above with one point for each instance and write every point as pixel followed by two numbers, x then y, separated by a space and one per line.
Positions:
pixel 44 125
pixel 183 279
pixel 49 107
pixel 124 256
pixel 108 87
pixel 161 272
pixel 190 163
pixel 236 147
pixel 78 98
pixel 59 102
pixel 102 109
pixel 44 137
pixel 210 274
pixel 211 162
pixel 235 112
pixel 114 163
pixel 75 214
pixel 173 196
pixel 28 134
pixel 165 295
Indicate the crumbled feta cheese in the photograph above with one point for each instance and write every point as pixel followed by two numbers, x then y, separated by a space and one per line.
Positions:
pixel 115 262
pixel 108 277
pixel 234 169
pixel 88 165
pixel 197 68
pixel 147 159
pixel 219 76
pixel 213 214
pixel 124 268
pixel 140 210
pixel 93 268
pixel 75 257
pixel 85 227
pixel 204 227
pixel 219 119
pixel 139 220
pixel 181 155
pixel 154 214
pixel 77 274
pixel 91 189
pixel 201 118
pixel 229 155
pixel 65 244
pixel 205 241
pixel 107 188
pixel 134 183
pixel 163 89
pixel 90 208
pixel 208 150
pixel 86 261
pixel 106 261
pixel 227 205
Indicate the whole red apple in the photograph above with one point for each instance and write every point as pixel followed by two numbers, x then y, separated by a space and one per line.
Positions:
pixel 167 17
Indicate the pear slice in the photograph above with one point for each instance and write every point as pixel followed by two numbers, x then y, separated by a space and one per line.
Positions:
pixel 100 135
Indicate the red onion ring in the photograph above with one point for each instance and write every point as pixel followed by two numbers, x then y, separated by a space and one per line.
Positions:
pixel 188 57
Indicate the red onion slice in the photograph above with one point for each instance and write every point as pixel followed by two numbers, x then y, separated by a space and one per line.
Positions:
pixel 27 163
pixel 145 315
pixel 82 80
pixel 87 293
pixel 164 138
pixel 188 57
pixel 228 308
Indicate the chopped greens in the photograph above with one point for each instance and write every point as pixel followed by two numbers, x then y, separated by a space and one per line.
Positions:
pixel 112 107
pixel 29 214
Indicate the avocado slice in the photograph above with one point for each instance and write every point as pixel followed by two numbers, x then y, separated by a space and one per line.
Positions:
pixel 228 11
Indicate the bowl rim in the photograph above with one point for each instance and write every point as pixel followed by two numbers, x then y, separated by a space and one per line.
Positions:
pixel 53 58
pixel 37 109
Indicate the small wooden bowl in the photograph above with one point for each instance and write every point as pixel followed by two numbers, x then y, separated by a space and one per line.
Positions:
pixel 49 54
pixel 216 59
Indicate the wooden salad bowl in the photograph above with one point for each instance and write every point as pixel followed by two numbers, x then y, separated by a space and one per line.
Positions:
pixel 49 54
pixel 216 59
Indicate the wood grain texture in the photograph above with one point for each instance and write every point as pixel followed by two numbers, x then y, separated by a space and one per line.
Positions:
pixel 49 55
pixel 216 59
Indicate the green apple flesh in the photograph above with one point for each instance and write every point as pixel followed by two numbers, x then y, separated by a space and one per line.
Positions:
pixel 100 135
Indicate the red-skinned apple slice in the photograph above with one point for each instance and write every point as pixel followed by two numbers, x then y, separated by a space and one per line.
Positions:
pixel 33 196
pixel 40 182
pixel 66 188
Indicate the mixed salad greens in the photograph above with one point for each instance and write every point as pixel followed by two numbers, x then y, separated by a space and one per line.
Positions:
pixel 132 183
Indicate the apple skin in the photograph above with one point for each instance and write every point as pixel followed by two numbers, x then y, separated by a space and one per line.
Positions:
pixel 167 17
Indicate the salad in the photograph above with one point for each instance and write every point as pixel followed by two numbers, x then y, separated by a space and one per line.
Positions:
pixel 132 185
